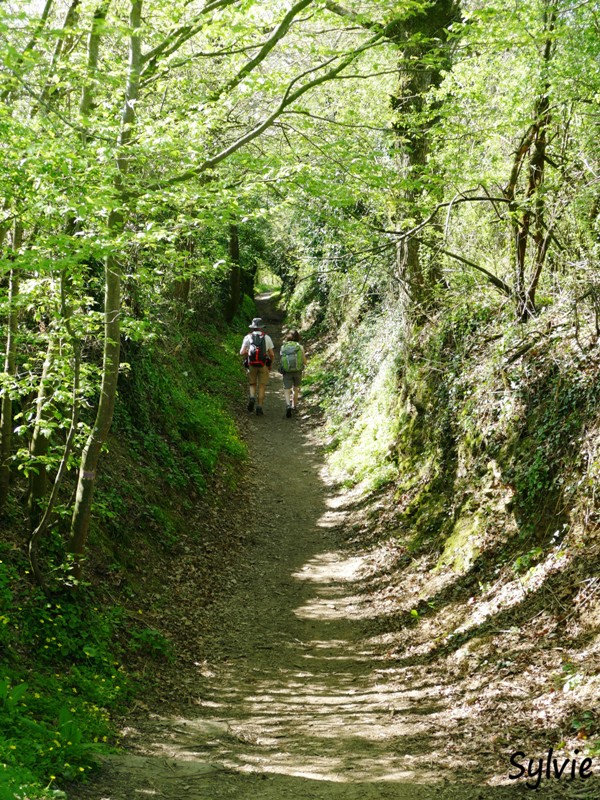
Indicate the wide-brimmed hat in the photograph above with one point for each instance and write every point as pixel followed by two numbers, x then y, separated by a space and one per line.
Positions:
pixel 256 324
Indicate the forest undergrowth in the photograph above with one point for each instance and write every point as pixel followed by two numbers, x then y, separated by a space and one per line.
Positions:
pixel 73 661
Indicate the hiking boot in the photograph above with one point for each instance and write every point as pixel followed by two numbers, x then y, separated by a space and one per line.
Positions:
pixel 288 412
pixel 259 411
pixel 251 404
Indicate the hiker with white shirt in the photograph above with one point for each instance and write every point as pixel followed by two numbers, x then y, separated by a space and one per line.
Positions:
pixel 259 353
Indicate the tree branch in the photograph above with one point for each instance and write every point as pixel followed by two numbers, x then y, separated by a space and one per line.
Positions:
pixel 52 110
pixel 278 34
pixel 304 113
pixel 30 46
pixel 453 202
pixel 179 35
pixel 182 62
pixel 319 149
pixel 336 8
pixel 493 279
pixel 288 98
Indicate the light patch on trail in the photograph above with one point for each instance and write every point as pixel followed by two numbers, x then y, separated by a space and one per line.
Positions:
pixel 330 567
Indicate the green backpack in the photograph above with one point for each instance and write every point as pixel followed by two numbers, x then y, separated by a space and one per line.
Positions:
pixel 291 357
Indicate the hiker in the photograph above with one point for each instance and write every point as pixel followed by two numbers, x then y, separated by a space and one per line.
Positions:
pixel 292 361
pixel 259 353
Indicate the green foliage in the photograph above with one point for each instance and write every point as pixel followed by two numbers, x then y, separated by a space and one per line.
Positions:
pixel 525 561
pixel 360 395
pixel 151 642
pixel 585 723
pixel 19 783
pixel 54 719
pixel 267 281
pixel 425 402
pixel 175 410
pixel 307 303
pixel 166 524
pixel 7 577
pixel 246 313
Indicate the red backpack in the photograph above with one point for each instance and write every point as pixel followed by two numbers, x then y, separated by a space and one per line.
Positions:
pixel 257 352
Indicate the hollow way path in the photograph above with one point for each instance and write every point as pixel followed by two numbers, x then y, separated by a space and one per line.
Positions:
pixel 295 701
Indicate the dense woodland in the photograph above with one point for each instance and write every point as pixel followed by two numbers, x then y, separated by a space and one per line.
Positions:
pixel 422 182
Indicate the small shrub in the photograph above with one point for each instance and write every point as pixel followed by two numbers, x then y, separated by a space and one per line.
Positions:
pixel 151 642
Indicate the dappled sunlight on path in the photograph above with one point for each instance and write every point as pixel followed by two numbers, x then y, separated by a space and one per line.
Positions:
pixel 306 705
pixel 317 708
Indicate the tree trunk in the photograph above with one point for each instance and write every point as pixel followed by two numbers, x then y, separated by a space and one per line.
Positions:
pixel 93 50
pixel 533 145
pixel 38 481
pixel 80 521
pixel 61 44
pixel 182 286
pixel 235 276
pixel 10 368
pixel 46 517
pixel 419 39
pixel 38 477
pixel 42 521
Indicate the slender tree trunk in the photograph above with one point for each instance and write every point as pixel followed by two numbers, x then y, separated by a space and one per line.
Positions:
pixel 10 368
pixel 112 309
pixel 235 276
pixel 93 51
pixel 411 159
pixel 29 48
pixel 537 167
pixel 45 519
pixel 182 286
pixel 528 221
pixel 533 217
pixel 40 442
pixel 61 44
pixel 38 483
pixel 181 293
pixel 38 30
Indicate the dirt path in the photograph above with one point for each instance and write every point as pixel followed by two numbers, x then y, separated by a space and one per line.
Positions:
pixel 295 701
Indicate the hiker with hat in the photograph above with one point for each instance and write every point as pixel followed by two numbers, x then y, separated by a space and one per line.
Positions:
pixel 259 352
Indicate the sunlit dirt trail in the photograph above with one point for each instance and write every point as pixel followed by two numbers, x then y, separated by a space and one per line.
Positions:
pixel 295 700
